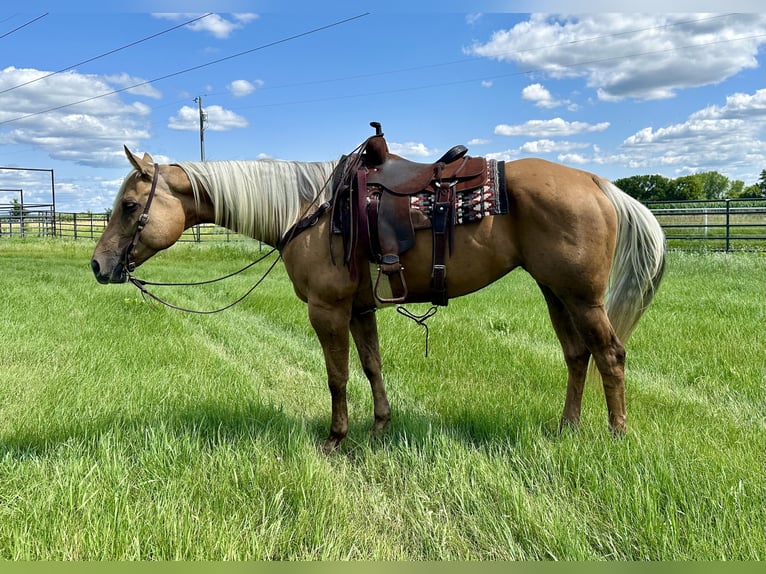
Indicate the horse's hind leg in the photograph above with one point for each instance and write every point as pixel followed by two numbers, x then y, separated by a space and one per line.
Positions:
pixel 608 352
pixel 576 355
pixel 364 328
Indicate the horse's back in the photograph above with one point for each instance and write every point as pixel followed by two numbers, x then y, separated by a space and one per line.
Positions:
pixel 551 184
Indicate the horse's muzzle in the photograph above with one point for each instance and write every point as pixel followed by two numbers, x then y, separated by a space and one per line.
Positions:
pixel 117 274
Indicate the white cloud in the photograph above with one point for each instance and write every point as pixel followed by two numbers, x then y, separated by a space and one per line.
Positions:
pixel 479 141
pixel 239 88
pixel 487 83
pixel 647 56
pixel 556 127
pixel 729 138
pixel 472 19
pixel 408 149
pixel 505 155
pixel 214 24
pixel 538 94
pixel 125 80
pixel 222 120
pixel 574 159
pixel 186 119
pixel 245 17
pixel 218 119
pixel 542 98
pixel 551 146
pixel 742 112
pixel 91 133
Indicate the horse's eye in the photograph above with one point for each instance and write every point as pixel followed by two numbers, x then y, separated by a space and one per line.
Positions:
pixel 129 206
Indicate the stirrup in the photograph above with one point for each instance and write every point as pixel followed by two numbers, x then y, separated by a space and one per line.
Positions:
pixel 391 300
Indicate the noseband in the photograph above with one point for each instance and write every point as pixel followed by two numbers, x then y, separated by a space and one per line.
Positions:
pixel 129 260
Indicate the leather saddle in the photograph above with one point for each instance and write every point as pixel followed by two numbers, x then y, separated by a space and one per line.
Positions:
pixel 381 187
pixel 402 176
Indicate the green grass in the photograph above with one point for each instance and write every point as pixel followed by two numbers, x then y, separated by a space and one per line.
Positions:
pixel 130 431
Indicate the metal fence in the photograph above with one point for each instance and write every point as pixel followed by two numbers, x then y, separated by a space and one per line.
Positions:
pixel 43 222
pixel 724 225
pixel 35 220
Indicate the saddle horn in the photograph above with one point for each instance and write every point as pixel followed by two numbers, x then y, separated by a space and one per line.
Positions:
pixel 376 148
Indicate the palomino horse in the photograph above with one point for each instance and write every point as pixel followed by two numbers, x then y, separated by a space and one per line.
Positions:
pixel 576 234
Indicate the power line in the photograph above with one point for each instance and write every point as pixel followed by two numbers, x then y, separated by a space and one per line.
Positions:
pixel 193 68
pixel 109 53
pixel 32 21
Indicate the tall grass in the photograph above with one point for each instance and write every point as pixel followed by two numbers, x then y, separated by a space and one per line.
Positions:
pixel 130 431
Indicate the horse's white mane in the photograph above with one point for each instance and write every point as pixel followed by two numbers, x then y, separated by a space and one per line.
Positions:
pixel 260 198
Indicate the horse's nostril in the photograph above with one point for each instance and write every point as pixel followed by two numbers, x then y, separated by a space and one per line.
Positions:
pixel 96 266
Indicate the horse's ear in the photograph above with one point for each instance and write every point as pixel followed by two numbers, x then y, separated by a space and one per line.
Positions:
pixel 144 165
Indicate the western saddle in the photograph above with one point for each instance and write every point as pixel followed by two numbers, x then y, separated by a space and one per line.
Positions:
pixel 373 207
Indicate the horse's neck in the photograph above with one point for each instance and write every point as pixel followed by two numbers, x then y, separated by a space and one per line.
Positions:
pixel 261 199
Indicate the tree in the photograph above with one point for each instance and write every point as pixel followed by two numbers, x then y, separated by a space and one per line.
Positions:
pixel 644 187
pixel 686 187
pixel 714 185
pixel 751 191
pixel 736 189
pixel 704 185
pixel 762 182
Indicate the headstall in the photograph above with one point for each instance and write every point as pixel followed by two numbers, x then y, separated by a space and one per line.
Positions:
pixel 129 260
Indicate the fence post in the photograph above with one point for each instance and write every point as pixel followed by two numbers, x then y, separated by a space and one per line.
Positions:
pixel 728 228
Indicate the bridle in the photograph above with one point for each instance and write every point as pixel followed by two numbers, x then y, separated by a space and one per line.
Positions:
pixel 129 263
pixel 128 260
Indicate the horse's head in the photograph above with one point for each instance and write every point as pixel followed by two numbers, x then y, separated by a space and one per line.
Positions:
pixel 124 241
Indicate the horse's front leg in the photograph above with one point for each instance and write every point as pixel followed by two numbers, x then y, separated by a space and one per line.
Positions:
pixel 331 324
pixel 364 328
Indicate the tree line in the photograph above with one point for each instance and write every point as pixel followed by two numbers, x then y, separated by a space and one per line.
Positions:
pixel 705 185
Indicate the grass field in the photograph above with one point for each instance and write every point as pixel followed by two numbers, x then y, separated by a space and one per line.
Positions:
pixel 130 431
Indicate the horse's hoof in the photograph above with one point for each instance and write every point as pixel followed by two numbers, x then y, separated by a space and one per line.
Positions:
pixel 567 425
pixel 618 427
pixel 330 445
pixel 379 428
pixel 378 436
pixel 619 432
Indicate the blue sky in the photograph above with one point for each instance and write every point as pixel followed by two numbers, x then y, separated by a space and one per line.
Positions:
pixel 618 94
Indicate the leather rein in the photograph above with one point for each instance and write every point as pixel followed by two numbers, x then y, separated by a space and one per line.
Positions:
pixel 130 264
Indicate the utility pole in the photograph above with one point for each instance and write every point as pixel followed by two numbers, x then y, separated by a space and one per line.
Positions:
pixel 202 120
pixel 197 231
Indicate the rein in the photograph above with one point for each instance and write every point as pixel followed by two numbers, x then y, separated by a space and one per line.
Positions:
pixel 130 264
pixel 141 285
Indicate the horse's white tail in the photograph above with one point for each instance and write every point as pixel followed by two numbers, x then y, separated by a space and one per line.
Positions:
pixel 639 261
